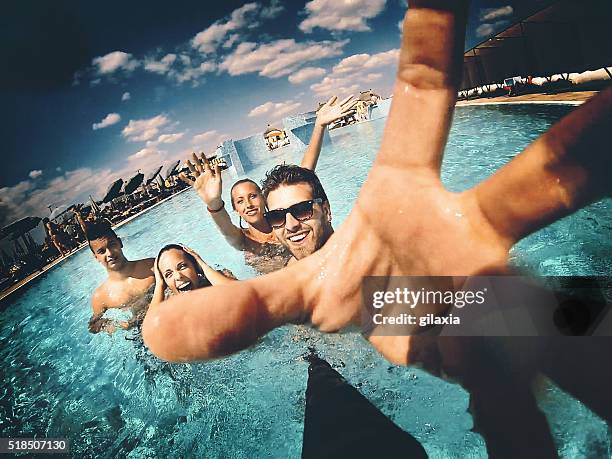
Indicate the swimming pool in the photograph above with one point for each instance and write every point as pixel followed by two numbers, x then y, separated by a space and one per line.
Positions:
pixel 112 398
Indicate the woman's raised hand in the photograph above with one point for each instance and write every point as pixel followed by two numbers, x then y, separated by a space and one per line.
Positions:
pixel 207 181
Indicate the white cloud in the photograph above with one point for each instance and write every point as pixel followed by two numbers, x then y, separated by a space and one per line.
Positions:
pixel 35 173
pixel 143 153
pixel 74 186
pixel 358 62
pixel 276 109
pixel 335 86
pixel 350 72
pixel 278 58
pixel 340 14
pixel 208 40
pixel 233 38
pixel 305 74
pixel 162 66
pixel 165 138
pixel 491 14
pixel 109 120
pixel 484 30
pixel 192 74
pixel 114 61
pixel 170 138
pixel 141 130
pixel 204 137
pixel 125 96
pixel 273 10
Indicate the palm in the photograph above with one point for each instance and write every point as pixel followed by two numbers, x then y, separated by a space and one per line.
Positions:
pixel 418 229
pixel 207 183
pixel 333 110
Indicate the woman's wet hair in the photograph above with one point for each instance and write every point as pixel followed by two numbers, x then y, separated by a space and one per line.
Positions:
pixel 191 258
pixel 246 180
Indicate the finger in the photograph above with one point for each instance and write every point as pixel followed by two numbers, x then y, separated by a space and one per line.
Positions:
pixel 346 100
pixel 206 164
pixel 426 85
pixel 217 170
pixel 331 100
pixel 197 163
pixel 186 179
pixel 192 168
pixel 234 316
pixel 565 169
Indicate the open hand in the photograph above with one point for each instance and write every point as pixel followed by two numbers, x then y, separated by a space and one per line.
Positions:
pixel 423 230
pixel 207 181
pixel 332 110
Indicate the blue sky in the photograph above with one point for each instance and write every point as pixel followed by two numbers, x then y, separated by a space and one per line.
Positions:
pixel 90 94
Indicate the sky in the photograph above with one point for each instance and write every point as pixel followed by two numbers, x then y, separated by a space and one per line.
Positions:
pixel 89 93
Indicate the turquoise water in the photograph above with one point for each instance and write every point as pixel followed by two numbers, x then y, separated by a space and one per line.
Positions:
pixel 112 398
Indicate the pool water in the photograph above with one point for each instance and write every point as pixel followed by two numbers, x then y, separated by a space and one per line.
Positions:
pixel 114 399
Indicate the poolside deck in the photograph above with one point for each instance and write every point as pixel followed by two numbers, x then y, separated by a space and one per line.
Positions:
pixel 570 98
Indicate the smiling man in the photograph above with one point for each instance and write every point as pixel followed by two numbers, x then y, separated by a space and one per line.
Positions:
pixel 298 209
pixel 127 284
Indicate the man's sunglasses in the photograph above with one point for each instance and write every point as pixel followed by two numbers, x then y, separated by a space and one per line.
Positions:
pixel 301 211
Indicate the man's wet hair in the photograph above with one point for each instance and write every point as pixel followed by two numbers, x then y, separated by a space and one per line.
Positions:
pixel 99 229
pixel 290 174
pixel 245 180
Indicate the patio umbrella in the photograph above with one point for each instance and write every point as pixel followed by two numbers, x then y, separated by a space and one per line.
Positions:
pixel 152 176
pixel 171 169
pixel 113 191
pixel 133 183
pixel 21 226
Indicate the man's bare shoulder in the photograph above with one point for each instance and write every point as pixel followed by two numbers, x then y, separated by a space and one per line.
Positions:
pixel 99 298
pixel 145 264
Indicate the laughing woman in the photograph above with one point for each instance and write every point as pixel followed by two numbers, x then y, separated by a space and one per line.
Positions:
pixel 181 269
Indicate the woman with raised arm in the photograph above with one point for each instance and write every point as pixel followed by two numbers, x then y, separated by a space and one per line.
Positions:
pixel 181 269
pixel 247 200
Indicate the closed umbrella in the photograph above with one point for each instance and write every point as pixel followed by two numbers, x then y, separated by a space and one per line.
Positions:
pixel 113 191
pixel 153 175
pixel 133 183
pixel 171 169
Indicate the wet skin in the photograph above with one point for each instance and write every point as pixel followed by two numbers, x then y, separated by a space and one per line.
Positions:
pixel 249 202
pixel 127 283
pixel 414 234
pixel 425 230
pixel 306 237
pixel 178 272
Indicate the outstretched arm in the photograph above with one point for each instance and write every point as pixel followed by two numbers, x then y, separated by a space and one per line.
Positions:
pixel 564 170
pixel 208 185
pixel 327 114
pixel 425 230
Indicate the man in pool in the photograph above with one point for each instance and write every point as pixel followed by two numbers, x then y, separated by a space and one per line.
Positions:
pixel 298 210
pixel 405 222
pixel 127 284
